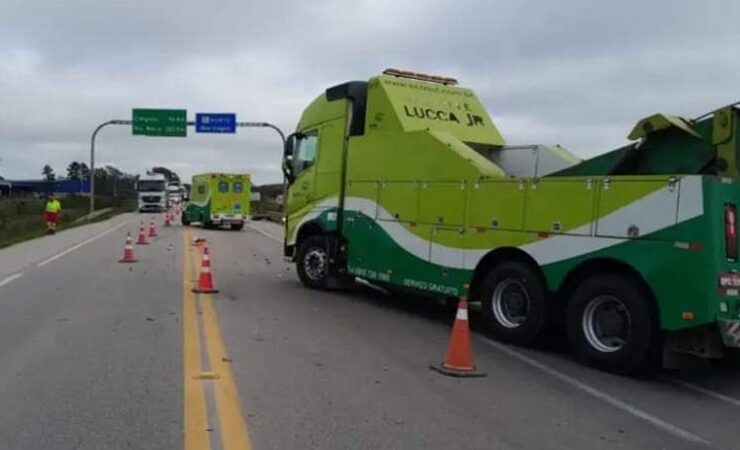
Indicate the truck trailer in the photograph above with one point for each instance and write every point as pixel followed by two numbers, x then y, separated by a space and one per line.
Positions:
pixel 174 193
pixel 405 181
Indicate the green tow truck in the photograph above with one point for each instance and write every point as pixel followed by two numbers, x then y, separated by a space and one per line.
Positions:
pixel 405 181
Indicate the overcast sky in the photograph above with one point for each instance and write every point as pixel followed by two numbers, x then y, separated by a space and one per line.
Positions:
pixel 578 73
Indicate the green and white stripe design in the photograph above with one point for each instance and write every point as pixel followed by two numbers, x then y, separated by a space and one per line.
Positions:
pixel 651 213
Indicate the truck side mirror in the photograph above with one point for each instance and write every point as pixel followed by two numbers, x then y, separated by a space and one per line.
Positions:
pixel 288 157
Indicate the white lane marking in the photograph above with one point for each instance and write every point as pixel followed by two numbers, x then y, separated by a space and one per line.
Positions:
pixel 271 236
pixel 10 278
pixel 81 244
pixel 709 393
pixel 603 396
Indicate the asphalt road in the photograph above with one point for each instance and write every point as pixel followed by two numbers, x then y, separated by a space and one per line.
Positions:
pixel 100 355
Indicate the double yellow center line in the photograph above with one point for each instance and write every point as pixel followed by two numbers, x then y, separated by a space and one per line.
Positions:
pixel 231 424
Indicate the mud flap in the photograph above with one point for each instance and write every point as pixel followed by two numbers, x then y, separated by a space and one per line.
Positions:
pixel 730 331
pixel 338 279
pixel 703 342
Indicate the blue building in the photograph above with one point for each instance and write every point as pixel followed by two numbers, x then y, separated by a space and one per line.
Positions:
pixel 30 187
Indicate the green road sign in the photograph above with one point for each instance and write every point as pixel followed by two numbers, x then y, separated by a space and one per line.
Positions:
pixel 160 122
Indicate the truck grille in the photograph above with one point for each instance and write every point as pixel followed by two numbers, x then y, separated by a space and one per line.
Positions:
pixel 150 199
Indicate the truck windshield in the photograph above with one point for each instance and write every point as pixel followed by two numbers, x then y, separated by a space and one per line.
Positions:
pixel 150 186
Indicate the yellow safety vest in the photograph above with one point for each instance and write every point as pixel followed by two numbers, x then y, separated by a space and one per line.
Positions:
pixel 53 206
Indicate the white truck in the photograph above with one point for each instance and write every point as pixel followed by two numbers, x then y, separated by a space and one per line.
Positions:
pixel 152 192
pixel 174 192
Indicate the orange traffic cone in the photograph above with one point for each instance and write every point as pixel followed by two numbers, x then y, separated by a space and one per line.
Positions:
pixel 128 251
pixel 205 280
pixel 152 229
pixel 167 222
pixel 459 359
pixel 142 236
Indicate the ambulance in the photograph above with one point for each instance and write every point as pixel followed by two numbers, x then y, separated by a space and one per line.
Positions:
pixel 218 200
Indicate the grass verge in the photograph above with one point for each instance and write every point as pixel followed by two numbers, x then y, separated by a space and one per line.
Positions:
pixel 37 228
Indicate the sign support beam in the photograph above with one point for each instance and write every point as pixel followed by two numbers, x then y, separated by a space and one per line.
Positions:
pixel 263 125
pixel 190 123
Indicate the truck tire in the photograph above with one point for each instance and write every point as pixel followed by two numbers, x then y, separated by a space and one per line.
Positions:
pixel 513 298
pixel 312 262
pixel 612 325
pixel 184 220
pixel 236 226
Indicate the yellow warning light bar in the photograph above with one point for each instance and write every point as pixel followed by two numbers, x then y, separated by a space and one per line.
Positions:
pixel 420 76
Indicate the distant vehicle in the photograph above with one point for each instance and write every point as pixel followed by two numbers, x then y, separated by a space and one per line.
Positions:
pixel 174 193
pixel 186 192
pixel 219 200
pixel 152 192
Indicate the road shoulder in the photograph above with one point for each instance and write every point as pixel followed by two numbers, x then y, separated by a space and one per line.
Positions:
pixel 16 258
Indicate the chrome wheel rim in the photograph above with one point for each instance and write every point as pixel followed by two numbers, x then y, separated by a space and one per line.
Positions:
pixel 315 263
pixel 511 303
pixel 607 323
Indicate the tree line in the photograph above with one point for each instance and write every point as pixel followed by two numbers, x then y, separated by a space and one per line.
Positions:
pixel 75 171
pixel 109 180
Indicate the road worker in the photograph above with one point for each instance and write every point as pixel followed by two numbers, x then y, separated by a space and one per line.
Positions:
pixel 53 210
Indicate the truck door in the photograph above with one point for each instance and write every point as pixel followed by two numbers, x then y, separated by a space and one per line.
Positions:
pixel 240 198
pixel 220 198
pixel 301 192
pixel 316 169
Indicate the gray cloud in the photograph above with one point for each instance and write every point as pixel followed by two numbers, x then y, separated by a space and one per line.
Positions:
pixel 579 73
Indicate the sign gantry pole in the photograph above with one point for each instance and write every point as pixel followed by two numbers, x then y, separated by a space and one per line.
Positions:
pixel 92 157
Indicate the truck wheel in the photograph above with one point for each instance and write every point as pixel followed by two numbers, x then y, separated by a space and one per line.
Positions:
pixel 184 220
pixel 236 226
pixel 513 300
pixel 312 262
pixel 611 324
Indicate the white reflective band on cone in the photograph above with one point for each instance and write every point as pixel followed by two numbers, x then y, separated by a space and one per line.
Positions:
pixel 205 270
pixel 462 314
